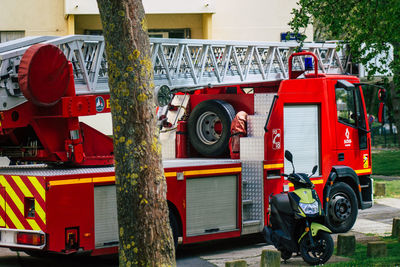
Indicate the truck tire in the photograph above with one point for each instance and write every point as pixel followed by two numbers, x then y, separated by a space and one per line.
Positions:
pixel 342 208
pixel 209 127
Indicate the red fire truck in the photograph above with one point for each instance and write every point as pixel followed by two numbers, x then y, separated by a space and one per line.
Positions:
pixel 293 102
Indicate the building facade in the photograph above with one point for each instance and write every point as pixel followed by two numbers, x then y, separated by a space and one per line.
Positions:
pixel 252 20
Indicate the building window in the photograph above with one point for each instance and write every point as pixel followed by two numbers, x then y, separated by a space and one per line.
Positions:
pixel 170 33
pixel 6 36
pixel 93 32
pixel 154 33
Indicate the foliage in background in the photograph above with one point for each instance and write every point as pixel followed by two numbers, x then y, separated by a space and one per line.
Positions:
pixel 370 27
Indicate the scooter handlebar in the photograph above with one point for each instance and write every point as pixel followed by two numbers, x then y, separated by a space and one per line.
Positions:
pixel 285 175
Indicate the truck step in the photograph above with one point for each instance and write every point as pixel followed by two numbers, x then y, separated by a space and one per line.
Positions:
pixel 247 202
pixel 251 226
pixel 251 223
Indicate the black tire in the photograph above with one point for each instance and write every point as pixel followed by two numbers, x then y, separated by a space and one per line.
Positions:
pixel 202 134
pixel 342 208
pixel 322 250
pixel 174 227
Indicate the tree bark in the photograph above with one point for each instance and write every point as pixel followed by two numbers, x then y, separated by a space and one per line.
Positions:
pixel 145 237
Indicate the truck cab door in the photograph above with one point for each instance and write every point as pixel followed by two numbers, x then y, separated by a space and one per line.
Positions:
pixel 351 128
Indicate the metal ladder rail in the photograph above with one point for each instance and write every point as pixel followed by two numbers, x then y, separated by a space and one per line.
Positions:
pixel 178 63
pixel 22 42
pixel 229 62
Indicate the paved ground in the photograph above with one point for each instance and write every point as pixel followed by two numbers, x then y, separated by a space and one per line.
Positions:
pixel 377 219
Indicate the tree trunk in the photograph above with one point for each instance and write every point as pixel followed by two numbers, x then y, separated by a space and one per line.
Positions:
pixel 145 237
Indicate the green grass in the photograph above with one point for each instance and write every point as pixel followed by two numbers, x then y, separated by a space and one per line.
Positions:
pixel 360 257
pixel 386 162
pixel 392 187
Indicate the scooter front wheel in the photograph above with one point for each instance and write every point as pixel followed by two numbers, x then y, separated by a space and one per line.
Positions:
pixel 321 250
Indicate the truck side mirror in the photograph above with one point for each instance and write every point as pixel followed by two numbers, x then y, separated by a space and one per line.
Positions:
pixel 381 111
pixel 348 86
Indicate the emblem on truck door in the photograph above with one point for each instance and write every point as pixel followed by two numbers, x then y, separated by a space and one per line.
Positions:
pixel 100 104
pixel 276 139
pixel 365 161
pixel 347 141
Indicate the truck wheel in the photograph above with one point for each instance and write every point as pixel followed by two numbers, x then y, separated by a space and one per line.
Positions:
pixel 174 227
pixel 209 127
pixel 342 208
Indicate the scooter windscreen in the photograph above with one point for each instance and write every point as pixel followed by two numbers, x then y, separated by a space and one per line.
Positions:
pixel 300 180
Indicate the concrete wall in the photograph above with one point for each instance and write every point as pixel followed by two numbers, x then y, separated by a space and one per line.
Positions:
pixel 85 7
pixel 253 20
pixel 35 17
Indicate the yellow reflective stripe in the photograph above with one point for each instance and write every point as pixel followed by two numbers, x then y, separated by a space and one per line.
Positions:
pixel 212 171
pixel 364 171
pixel 273 166
pixel 40 212
pixel 10 191
pixel 22 186
pixel 3 206
pixel 170 174
pixel 2 203
pixel 71 181
pixel 35 182
pixel 313 181
pixel 104 179
pixel 10 213
pixel 33 224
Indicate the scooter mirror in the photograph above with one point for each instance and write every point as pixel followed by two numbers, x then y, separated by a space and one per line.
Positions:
pixel 289 156
pixel 314 170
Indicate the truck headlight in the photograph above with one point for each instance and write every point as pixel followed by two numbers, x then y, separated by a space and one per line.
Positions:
pixel 310 208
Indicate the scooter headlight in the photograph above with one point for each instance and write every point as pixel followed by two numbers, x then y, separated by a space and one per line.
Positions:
pixel 310 208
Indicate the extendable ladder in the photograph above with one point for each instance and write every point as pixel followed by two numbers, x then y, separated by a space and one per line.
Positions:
pixel 181 64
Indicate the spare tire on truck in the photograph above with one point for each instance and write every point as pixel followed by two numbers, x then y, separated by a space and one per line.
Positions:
pixel 209 127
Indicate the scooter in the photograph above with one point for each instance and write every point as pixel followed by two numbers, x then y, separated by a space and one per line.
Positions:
pixel 296 221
